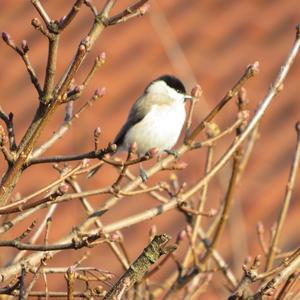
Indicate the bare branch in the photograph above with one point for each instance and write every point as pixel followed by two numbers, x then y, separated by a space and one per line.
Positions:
pixel 196 94
pixel 23 53
pixel 136 10
pixel 66 20
pixel 51 67
pixel 286 202
pixel 99 93
pixel 43 113
pixel 40 9
pixel 250 72
pixel 140 266
pixel 78 242
pixel 99 154
pixel 291 266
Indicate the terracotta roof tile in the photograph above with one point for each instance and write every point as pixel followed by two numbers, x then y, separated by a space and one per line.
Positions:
pixel 218 39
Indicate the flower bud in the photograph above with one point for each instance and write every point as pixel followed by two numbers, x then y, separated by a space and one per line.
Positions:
pixel 25 46
pixel 196 91
pixel 100 92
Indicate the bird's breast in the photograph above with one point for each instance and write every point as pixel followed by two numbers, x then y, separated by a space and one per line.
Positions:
pixel 160 128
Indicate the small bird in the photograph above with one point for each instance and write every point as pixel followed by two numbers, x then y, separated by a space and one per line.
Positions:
pixel 156 118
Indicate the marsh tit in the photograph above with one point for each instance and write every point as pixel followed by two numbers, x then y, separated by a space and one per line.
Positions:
pixel 156 118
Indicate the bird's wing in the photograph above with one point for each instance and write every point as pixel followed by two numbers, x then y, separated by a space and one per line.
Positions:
pixel 136 114
pixel 138 111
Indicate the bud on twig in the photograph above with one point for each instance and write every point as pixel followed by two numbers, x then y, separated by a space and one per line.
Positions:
pixel 174 182
pixel 63 188
pixel 99 92
pixel 111 148
pixel 144 8
pixel 253 68
pixel 61 20
pixel 196 91
pixel 189 229
pixel 212 212
pixel 36 23
pixel 101 58
pixel 97 133
pixel 181 236
pixel 25 46
pixel 212 129
pixel 78 88
pixel 8 40
pixel 116 236
pixel 133 148
pixel 85 162
pixel 6 37
pixel 260 227
pixel 181 165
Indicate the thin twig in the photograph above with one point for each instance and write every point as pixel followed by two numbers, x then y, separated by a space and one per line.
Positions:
pixel 99 93
pixel 24 234
pixel 80 242
pixel 92 7
pixel 35 277
pixel 292 265
pixel 54 198
pixel 260 233
pixel 286 202
pixel 66 20
pixel 137 9
pixel 8 120
pixel 201 204
pixel 230 277
pixel 23 53
pixel 250 72
pixel 22 283
pixel 40 9
pixel 90 211
pixel 64 158
pixel 213 139
pixel 196 94
pixel 48 187
pixel 289 284
pixel 228 203
pixel 57 294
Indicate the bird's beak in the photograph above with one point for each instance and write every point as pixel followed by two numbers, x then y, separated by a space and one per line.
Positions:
pixel 188 97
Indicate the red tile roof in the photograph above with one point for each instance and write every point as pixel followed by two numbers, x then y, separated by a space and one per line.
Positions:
pixel 218 39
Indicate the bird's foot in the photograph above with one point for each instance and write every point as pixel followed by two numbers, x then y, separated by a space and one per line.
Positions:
pixel 172 152
pixel 143 174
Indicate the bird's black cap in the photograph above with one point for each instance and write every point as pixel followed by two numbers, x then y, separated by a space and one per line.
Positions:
pixel 173 82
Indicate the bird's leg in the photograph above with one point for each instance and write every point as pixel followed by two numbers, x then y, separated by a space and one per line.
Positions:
pixel 172 152
pixel 143 173
pixel 159 157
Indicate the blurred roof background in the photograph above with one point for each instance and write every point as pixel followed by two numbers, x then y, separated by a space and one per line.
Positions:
pixel 205 42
